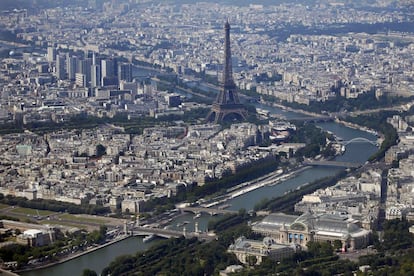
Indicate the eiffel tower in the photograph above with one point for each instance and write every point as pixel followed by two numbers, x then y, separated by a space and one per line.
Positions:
pixel 227 106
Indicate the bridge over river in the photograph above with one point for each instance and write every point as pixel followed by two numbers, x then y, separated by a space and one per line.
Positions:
pixel 332 164
pixel 359 140
pixel 211 211
pixel 170 233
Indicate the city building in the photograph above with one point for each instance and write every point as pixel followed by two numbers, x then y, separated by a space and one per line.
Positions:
pixel 80 79
pixel 109 72
pixel 299 230
pixel 51 54
pixel 60 67
pixel 34 237
pixel 84 68
pixel 95 76
pixel 71 66
pixel 32 234
pixel 125 72
pixel 244 249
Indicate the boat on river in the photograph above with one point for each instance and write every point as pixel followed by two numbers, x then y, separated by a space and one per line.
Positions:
pixel 180 224
pixel 148 238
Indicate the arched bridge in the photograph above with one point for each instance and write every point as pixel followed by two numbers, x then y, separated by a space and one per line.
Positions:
pixel 359 140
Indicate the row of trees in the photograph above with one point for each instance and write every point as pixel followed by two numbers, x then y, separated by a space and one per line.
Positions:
pixel 53 205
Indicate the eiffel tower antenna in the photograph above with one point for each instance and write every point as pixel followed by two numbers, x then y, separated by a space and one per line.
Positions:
pixel 227 106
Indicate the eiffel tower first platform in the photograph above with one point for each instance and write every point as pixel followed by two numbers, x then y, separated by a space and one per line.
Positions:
pixel 227 106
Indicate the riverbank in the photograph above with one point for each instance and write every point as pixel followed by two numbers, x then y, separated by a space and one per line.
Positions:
pixel 268 182
pixel 72 256
pixel 287 108
pixel 355 126
pixel 7 272
pixel 271 179
pixel 337 120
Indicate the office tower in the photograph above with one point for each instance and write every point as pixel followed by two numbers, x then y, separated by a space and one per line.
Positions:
pixel 60 67
pixel 72 65
pixel 95 75
pixel 51 54
pixel 227 106
pixel 84 67
pixel 108 68
pixel 93 58
pixel 108 73
pixel 125 72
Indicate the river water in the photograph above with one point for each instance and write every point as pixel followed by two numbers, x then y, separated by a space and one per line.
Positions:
pixel 355 152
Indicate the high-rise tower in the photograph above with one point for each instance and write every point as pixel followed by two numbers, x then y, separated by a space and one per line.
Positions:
pixel 71 66
pixel 227 106
pixel 95 75
pixel 60 67
pixel 125 72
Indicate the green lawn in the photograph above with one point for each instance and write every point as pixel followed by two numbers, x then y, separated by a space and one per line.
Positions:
pixel 3 206
pixel 58 222
pixel 81 219
pixel 32 212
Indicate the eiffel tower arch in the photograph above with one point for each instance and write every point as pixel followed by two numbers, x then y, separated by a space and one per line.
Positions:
pixel 227 106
